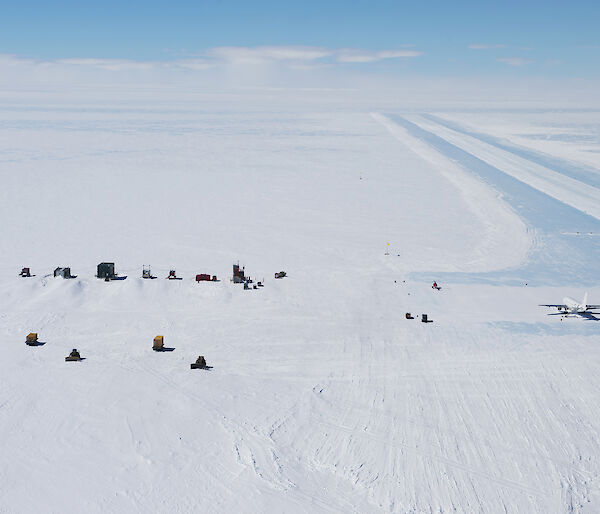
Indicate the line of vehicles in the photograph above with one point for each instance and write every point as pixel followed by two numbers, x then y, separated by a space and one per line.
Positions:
pixel 569 308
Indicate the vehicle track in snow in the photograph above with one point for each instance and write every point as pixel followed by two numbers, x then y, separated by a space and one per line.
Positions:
pixel 573 192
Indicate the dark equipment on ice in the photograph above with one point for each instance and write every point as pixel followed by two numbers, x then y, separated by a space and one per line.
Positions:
pixel 408 315
pixel 73 356
pixel 106 270
pixel 238 274
pixel 173 275
pixel 146 273
pixel 64 273
pixel 205 277
pixel 199 364
pixel 25 272
pixel 424 319
pixel 280 274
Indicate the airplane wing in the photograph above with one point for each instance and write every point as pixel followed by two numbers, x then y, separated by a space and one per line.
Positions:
pixel 595 316
pixel 592 307
pixel 553 305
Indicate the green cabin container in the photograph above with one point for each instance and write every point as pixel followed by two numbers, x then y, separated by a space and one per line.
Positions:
pixel 106 270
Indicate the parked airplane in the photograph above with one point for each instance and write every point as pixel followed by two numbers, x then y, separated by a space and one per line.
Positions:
pixel 573 307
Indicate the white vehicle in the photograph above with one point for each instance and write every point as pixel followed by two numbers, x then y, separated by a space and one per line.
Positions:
pixel 574 308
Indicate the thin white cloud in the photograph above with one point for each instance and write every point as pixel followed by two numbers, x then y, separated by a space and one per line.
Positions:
pixel 15 60
pixel 191 64
pixel 514 61
pixel 225 58
pixel 303 66
pixel 109 64
pixel 349 55
pixel 261 54
pixel 298 54
pixel 482 46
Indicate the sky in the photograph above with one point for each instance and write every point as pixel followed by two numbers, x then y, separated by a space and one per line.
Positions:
pixel 279 41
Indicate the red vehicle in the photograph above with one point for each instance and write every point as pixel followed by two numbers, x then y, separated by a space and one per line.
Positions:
pixel 203 277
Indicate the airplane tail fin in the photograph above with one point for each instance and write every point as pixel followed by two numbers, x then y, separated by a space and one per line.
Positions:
pixel 585 296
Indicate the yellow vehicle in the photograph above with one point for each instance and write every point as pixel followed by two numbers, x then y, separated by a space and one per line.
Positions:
pixel 159 343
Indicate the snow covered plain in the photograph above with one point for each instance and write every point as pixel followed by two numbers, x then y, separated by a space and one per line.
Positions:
pixel 322 397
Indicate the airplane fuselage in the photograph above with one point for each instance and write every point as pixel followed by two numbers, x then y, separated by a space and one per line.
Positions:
pixel 573 306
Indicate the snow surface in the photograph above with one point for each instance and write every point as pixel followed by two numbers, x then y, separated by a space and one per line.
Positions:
pixel 322 396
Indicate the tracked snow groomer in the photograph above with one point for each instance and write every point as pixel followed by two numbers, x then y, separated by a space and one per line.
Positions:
pixel 199 364
pixel 73 356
